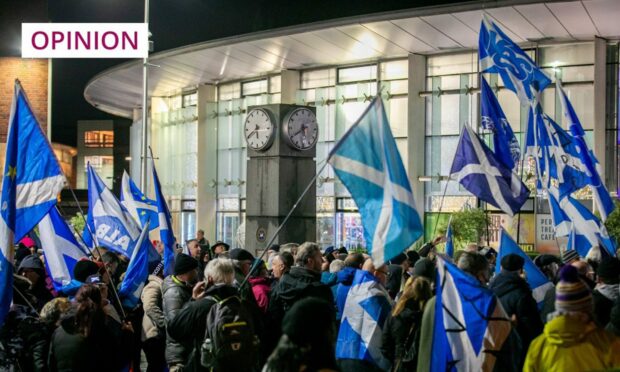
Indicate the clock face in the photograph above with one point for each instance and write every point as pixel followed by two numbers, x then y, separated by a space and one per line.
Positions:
pixel 301 129
pixel 259 129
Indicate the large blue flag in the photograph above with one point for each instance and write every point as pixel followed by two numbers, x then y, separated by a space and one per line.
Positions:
pixel 470 324
pixel 137 271
pixel 31 182
pixel 505 144
pixel 481 173
pixel 165 225
pixel 141 208
pixel 600 195
pixel 499 54
pixel 535 278
pixel 368 163
pixel 365 310
pixel 61 249
pixel 449 241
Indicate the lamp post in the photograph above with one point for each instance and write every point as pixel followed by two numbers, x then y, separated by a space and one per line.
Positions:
pixel 145 87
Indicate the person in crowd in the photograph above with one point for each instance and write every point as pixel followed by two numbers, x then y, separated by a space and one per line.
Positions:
pixel 549 265
pixel 428 249
pixel 607 289
pixel 193 247
pixel 190 324
pixel 491 255
pixel 352 263
pixel 425 268
pixel 614 320
pixel 412 257
pixel 176 292
pixel 327 277
pixel 398 268
pixel 334 268
pixel 89 340
pixel 571 341
pixel 516 297
pixel 586 273
pixel 20 253
pixel 273 250
pixel 153 321
pixel 281 264
pixel 219 248
pixel 342 253
pixel 307 342
pixel 292 248
pixel 200 237
pixel 507 355
pixel 569 256
pixel 261 285
pixel 349 358
pixel 31 267
pixel 50 317
pixel 329 254
pixel 112 264
pixel 401 331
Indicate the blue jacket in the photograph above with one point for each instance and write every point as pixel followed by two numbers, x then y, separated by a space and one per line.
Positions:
pixel 345 278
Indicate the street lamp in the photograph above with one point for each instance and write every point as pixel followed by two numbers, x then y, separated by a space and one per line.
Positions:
pixel 145 86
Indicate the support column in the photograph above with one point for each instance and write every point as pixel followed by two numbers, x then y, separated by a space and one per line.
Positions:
pixel 600 104
pixel 289 86
pixel 416 122
pixel 206 194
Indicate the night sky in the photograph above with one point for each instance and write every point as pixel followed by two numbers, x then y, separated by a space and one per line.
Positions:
pixel 173 23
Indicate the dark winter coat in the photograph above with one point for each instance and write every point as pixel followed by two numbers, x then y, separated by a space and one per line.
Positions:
pixel 345 278
pixel 190 324
pixel 603 298
pixel 516 297
pixel 175 294
pixel 399 333
pixel 107 348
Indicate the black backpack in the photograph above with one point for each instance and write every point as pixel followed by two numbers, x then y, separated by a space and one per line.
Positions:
pixel 230 342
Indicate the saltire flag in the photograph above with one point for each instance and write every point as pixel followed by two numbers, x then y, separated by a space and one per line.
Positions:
pixel 137 271
pixel 365 310
pixel 589 231
pixel 141 208
pixel 470 323
pixel 505 144
pixel 600 195
pixel 481 173
pixel 31 182
pixel 538 282
pixel 368 163
pixel 165 225
pixel 449 242
pixel 499 54
pixel 61 249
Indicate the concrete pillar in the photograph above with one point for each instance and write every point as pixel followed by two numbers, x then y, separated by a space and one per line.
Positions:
pixel 206 193
pixel 416 128
pixel 600 103
pixel 289 86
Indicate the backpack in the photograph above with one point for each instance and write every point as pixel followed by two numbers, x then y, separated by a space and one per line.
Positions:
pixel 230 342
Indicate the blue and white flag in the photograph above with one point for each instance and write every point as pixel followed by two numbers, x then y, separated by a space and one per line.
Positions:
pixel 141 208
pixel 499 54
pixel 368 163
pixel 481 173
pixel 589 231
pixel 449 242
pixel 60 248
pixel 470 324
pixel 165 225
pixel 31 182
pixel 137 271
pixel 505 144
pixel 114 228
pixel 365 310
pixel 587 160
pixel 535 278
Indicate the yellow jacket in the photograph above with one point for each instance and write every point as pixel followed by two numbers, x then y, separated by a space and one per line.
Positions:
pixel 570 345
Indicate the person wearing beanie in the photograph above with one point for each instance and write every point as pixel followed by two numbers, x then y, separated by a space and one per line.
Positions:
pixel 176 292
pixel 607 289
pixel 153 320
pixel 83 269
pixel 516 297
pixel 571 341
pixel 305 345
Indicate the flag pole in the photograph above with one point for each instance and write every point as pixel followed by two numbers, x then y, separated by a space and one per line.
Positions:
pixel 277 232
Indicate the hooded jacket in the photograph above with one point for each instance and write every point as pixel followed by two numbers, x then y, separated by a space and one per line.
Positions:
pixel 570 345
pixel 345 278
pixel 261 287
pixel 153 321
pixel 604 296
pixel 175 294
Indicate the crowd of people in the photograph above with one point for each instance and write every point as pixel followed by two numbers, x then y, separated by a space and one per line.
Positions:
pixel 223 309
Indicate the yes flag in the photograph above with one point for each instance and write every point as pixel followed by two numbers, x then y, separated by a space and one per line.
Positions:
pixel 368 163
pixel 449 242
pixel 365 310
pixel 481 173
pixel 500 55
pixel 535 278
pixel 139 206
pixel 470 324
pixel 505 144
pixel 31 182
pixel 600 195
pixel 165 225
pixel 60 248
pixel 137 271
